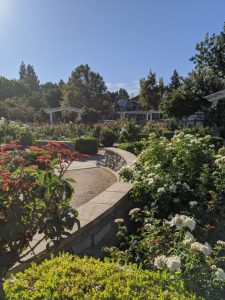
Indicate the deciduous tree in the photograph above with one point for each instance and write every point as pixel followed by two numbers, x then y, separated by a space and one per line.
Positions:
pixel 211 53
pixel 85 88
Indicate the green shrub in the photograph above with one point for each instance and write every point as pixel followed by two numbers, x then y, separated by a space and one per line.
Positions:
pixel 70 277
pixel 96 131
pixel 171 173
pixel 202 131
pixel 129 132
pixel 135 147
pixel 90 116
pixel 26 139
pixel 107 137
pixel 86 145
pixel 216 141
pixel 222 151
pixel 168 134
pixel 169 245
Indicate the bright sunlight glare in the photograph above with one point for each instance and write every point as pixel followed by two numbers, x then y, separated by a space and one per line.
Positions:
pixel 5 8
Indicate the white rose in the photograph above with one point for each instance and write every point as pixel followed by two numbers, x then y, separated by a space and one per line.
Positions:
pixel 193 203
pixel 181 221
pixel 161 190
pixel 206 249
pixel 188 238
pixel 220 274
pixel 173 263
pixel 160 261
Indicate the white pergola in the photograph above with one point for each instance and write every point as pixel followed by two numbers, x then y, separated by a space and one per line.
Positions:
pixel 147 114
pixel 215 97
pixel 50 111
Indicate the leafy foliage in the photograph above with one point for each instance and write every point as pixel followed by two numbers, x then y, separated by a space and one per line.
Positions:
pixel 170 174
pixel 211 53
pixel 107 137
pixel 151 91
pixel 157 245
pixel 87 145
pixel 129 132
pixel 35 200
pixel 69 277
pixel 133 147
pixel 85 88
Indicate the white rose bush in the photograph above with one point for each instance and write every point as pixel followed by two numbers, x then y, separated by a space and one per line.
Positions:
pixel 179 189
pixel 181 174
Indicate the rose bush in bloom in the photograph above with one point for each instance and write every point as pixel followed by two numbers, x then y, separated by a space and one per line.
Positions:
pixel 162 245
pixel 34 199
pixel 181 174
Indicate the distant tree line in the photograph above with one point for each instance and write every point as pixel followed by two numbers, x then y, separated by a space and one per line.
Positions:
pixel 26 98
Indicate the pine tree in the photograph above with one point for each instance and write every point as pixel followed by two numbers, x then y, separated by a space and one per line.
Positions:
pixel 32 78
pixel 23 71
pixel 175 82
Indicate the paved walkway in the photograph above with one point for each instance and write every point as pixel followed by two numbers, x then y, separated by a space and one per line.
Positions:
pixel 90 178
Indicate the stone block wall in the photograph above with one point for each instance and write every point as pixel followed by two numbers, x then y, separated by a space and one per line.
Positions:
pixel 115 158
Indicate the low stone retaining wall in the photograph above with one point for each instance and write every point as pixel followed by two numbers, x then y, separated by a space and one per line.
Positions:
pixel 115 158
pixel 97 215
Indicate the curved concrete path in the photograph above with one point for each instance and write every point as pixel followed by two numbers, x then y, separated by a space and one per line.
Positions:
pixel 90 178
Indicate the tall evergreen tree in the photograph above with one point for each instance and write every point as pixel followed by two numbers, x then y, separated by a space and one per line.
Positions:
pixel 122 94
pixel 151 91
pixel 175 82
pixel 22 71
pixel 31 78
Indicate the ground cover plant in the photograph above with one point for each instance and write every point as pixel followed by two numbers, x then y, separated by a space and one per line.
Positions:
pixel 35 199
pixel 70 277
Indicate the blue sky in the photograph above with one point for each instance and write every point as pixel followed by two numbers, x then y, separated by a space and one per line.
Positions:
pixel 120 39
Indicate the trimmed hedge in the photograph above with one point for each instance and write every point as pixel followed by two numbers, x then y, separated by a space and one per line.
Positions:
pixel 70 277
pixel 86 145
pixel 107 137
pixel 134 147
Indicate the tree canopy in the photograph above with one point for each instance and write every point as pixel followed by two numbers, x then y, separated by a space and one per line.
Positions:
pixel 211 53
pixel 151 91
pixel 85 88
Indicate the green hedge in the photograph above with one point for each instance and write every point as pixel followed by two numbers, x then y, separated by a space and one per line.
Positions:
pixel 69 277
pixel 135 147
pixel 107 137
pixel 87 145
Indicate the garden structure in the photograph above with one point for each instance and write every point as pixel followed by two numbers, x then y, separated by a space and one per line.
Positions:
pixel 50 111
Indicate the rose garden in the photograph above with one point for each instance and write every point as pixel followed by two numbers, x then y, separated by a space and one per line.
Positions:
pixel 125 202
pixel 170 245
